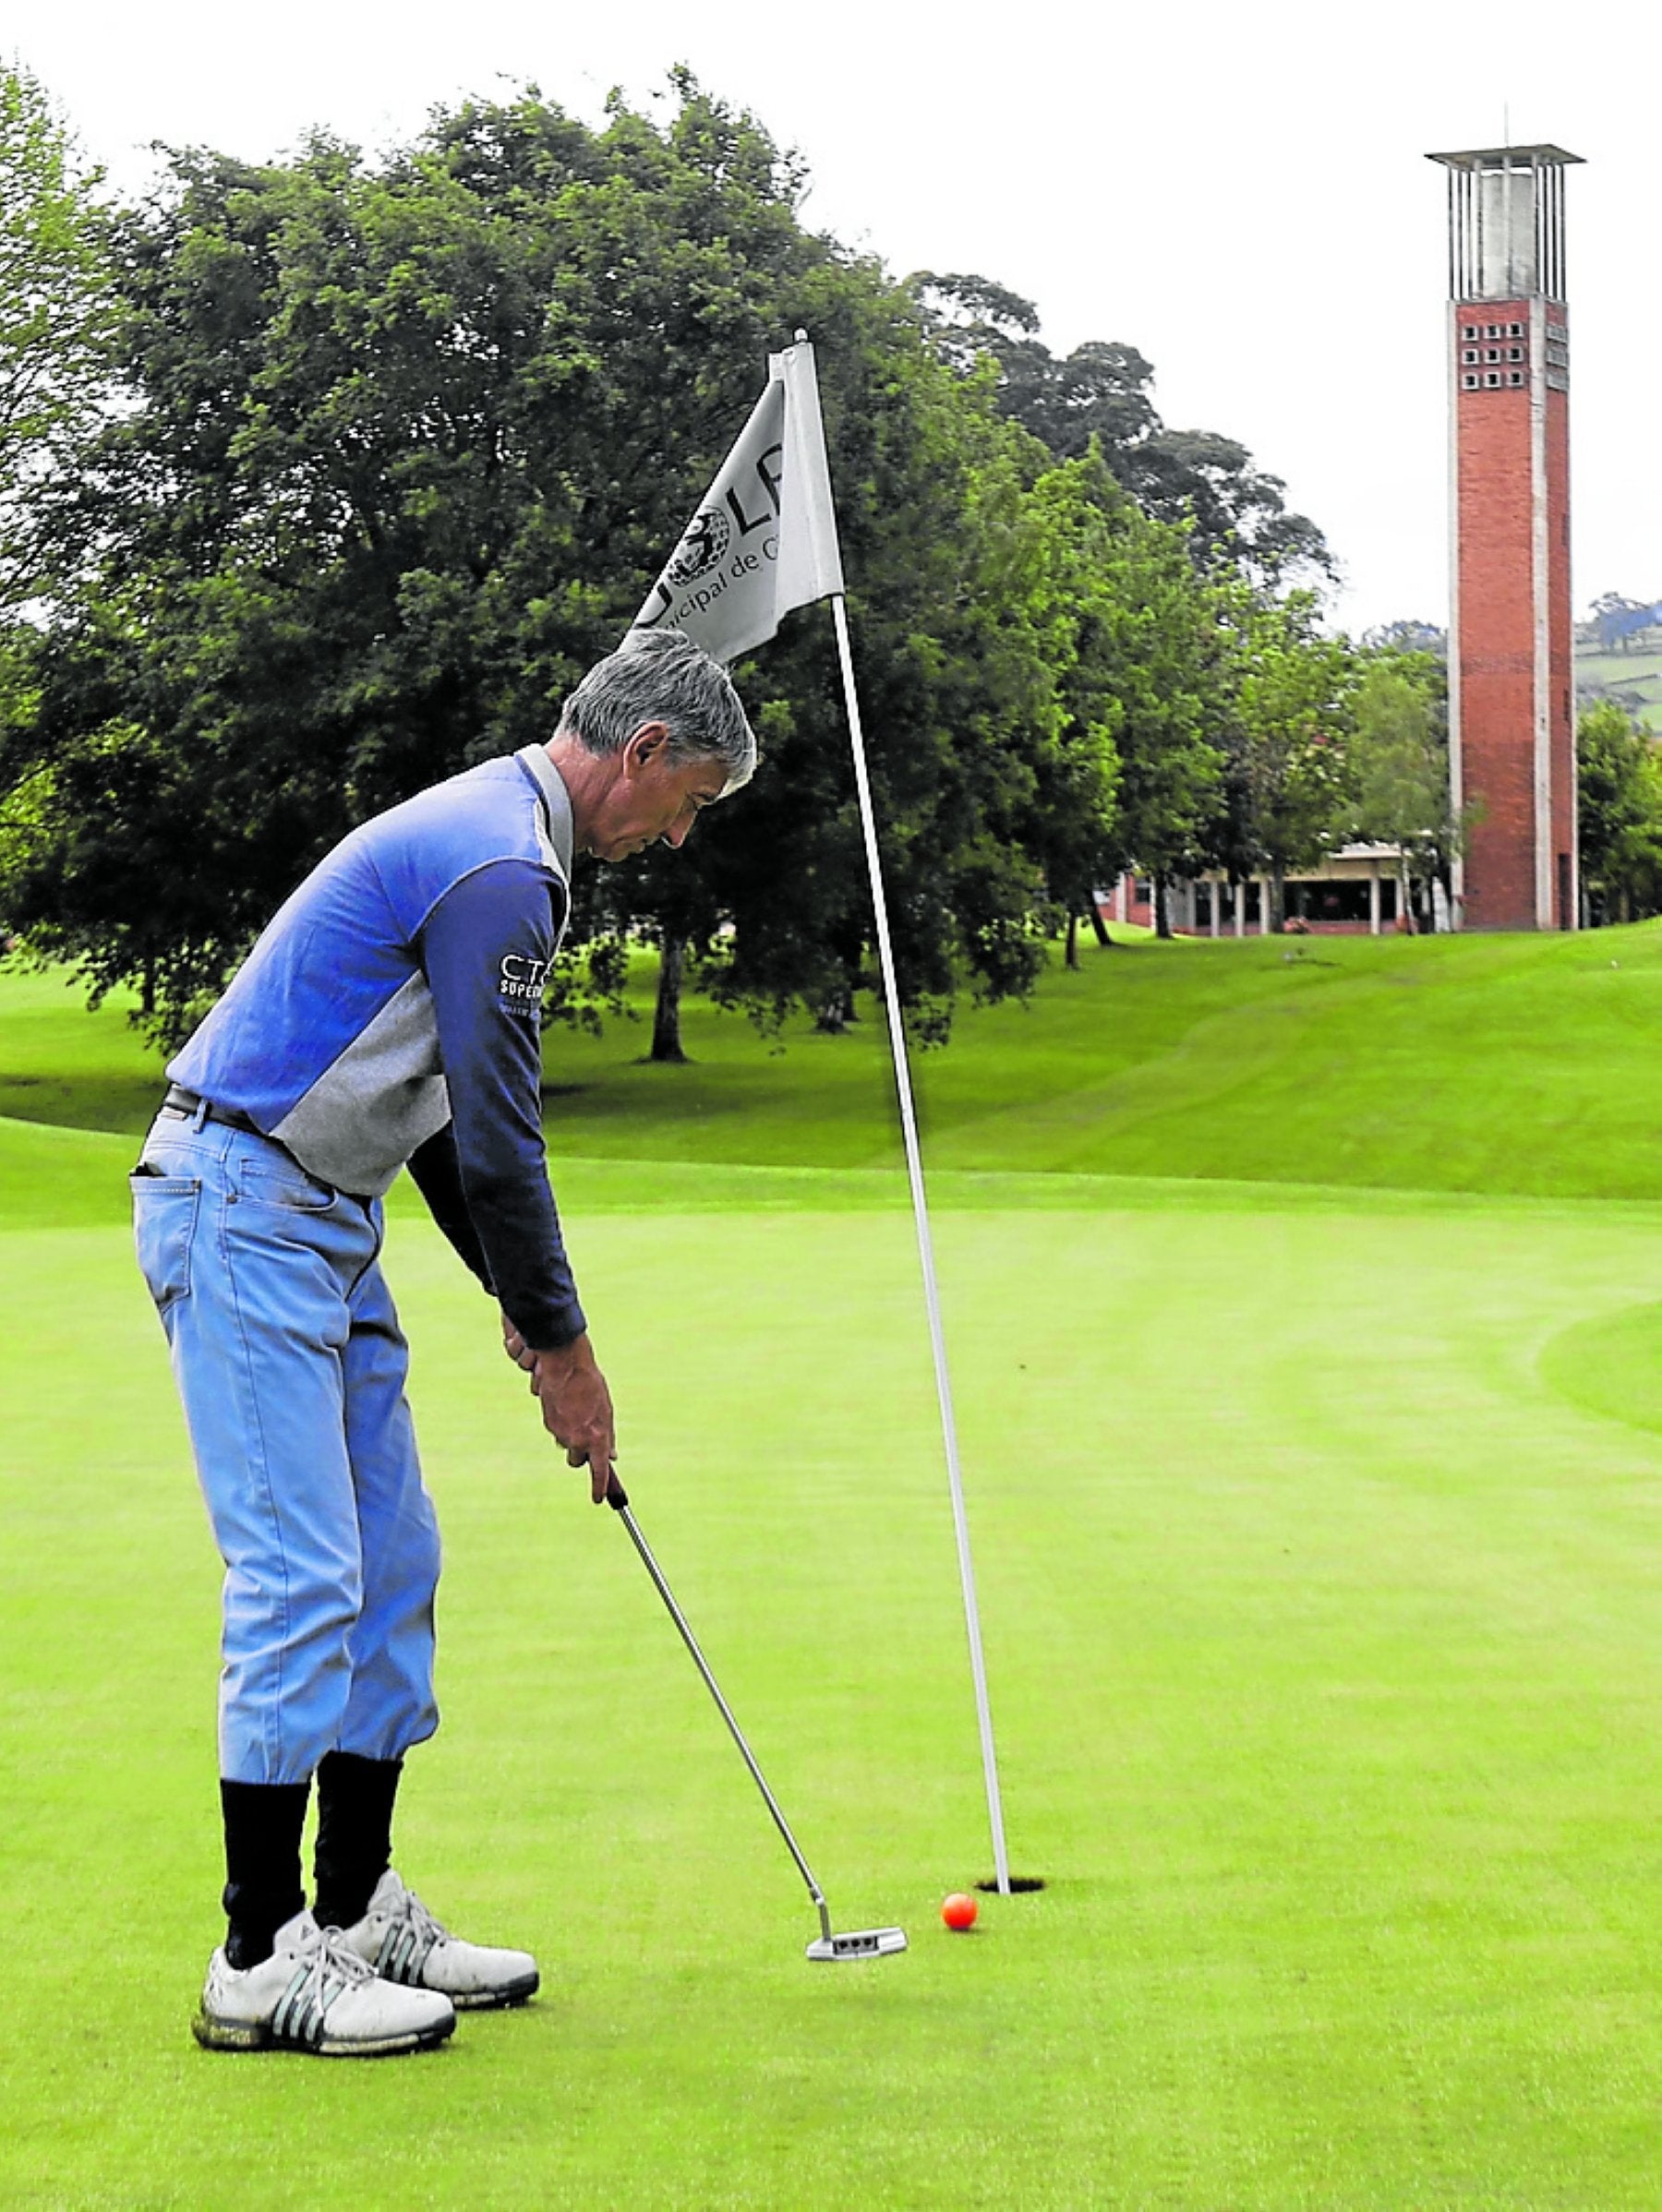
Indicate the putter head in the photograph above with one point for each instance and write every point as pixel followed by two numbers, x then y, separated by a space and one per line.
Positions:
pixel 865 1943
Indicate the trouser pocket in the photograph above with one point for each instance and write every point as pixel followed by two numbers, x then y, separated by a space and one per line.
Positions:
pixel 164 1220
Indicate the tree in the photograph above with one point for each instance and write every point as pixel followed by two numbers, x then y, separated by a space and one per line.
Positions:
pixel 1618 796
pixel 401 445
pixel 1238 512
pixel 1617 621
pixel 1066 554
pixel 1156 649
pixel 1408 634
pixel 56 309
pixel 1400 764
pixel 1289 687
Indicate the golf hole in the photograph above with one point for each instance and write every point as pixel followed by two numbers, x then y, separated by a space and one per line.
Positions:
pixel 1020 1884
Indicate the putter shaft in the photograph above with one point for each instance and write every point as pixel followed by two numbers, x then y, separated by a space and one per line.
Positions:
pixel 617 1497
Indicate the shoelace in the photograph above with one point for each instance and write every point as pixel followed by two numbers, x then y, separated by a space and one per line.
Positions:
pixel 326 1951
pixel 412 1932
pixel 421 1921
pixel 328 1965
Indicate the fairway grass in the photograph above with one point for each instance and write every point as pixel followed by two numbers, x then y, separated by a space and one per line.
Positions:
pixel 1319 1538
pixel 1504 1064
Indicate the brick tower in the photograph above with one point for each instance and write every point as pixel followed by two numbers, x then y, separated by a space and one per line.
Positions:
pixel 1511 706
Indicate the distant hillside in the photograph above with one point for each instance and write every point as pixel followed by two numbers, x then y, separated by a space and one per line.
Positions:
pixel 1635 678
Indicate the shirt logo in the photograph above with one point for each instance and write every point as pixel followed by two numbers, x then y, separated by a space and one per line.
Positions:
pixel 522 984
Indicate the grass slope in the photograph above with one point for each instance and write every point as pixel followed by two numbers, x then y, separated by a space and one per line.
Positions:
pixel 1319 1533
pixel 1522 1065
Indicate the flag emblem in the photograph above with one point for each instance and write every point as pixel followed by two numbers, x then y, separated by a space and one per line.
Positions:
pixel 701 550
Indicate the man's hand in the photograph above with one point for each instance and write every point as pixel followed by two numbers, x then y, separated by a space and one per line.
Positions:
pixel 577 1410
pixel 576 1405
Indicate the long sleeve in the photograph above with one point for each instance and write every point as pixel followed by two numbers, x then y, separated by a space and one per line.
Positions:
pixel 485 948
pixel 437 1173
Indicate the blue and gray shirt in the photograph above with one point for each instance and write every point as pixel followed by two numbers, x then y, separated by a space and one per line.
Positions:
pixel 390 1014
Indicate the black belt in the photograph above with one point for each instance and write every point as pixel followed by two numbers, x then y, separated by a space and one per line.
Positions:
pixel 180 1100
pixel 186 1103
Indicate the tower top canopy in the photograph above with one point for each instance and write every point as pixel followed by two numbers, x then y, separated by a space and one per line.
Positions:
pixel 1506 221
pixel 1510 157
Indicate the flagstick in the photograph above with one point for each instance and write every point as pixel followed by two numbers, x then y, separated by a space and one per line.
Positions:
pixel 914 1167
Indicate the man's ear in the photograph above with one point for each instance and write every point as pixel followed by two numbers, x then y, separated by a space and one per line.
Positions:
pixel 646 746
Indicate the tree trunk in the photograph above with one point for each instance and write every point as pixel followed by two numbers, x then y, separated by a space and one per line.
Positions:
pixel 666 1018
pixel 834 1011
pixel 1098 924
pixel 1073 939
pixel 1278 899
pixel 1404 894
pixel 1162 920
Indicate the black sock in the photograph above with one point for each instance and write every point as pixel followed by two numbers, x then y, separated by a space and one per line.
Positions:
pixel 263 1888
pixel 355 1833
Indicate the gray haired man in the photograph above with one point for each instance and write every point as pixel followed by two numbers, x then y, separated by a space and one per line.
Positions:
pixel 389 1017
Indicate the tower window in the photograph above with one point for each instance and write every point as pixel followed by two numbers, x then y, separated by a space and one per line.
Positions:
pixel 1494 330
pixel 1515 329
pixel 1514 376
pixel 1492 353
pixel 1492 380
pixel 1471 333
pixel 1470 354
pixel 1470 384
pixel 1514 353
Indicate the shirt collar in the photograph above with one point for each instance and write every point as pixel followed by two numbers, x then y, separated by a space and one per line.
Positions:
pixel 557 802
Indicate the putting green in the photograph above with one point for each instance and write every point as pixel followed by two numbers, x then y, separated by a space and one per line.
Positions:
pixel 1322 1626
pixel 1611 1365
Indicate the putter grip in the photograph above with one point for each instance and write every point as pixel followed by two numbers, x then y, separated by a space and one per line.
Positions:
pixel 617 1497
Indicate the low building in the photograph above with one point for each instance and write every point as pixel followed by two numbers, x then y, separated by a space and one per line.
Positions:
pixel 1352 892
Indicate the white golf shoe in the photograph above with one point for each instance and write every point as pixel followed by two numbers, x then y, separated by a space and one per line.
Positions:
pixel 315 1993
pixel 400 1938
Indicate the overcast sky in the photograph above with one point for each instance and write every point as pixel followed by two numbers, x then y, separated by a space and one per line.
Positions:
pixel 1240 191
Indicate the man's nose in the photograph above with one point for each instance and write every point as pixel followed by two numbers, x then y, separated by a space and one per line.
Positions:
pixel 676 835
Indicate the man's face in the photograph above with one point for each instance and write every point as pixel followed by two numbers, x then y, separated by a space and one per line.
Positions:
pixel 656 798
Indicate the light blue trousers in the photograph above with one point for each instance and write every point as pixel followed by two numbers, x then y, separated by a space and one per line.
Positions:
pixel 289 1360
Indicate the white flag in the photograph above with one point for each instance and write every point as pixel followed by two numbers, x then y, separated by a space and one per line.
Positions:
pixel 765 537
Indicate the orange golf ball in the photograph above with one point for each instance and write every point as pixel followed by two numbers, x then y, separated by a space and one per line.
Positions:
pixel 959 1910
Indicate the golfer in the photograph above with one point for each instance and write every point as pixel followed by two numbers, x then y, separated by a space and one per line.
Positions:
pixel 388 1017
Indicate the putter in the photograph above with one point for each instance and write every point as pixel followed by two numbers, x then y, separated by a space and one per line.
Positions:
pixel 866 1942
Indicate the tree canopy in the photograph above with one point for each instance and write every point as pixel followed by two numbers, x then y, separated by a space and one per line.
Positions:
pixel 1400 767
pixel 56 311
pixel 1618 776
pixel 403 441
pixel 1238 512
pixel 396 444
